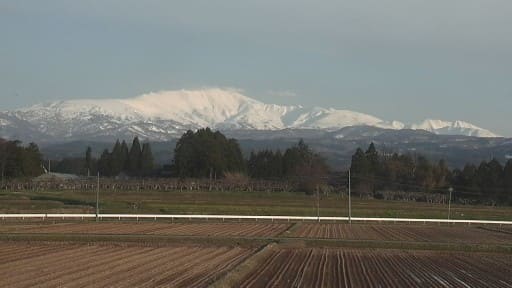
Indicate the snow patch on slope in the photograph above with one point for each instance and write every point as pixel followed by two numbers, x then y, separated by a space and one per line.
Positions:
pixel 453 128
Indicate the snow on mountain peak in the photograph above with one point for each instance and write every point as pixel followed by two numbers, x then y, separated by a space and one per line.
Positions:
pixel 167 114
pixel 453 128
pixel 217 103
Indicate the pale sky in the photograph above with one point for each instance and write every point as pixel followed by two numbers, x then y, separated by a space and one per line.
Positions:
pixel 401 60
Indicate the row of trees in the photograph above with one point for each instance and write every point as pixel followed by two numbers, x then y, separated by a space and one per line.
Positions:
pixel 205 153
pixel 296 160
pixel 136 160
pixel 490 180
pixel 20 161
pixel 298 163
pixel 373 171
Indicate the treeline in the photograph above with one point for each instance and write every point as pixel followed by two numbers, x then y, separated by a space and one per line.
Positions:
pixel 490 180
pixel 298 164
pixel 136 160
pixel 208 154
pixel 299 160
pixel 205 153
pixel 372 172
pixel 20 161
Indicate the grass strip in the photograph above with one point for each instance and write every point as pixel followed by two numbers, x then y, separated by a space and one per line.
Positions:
pixel 237 274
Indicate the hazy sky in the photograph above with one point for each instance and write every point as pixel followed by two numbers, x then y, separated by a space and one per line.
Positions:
pixel 398 60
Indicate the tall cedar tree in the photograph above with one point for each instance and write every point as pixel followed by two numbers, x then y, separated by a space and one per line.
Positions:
pixel 88 161
pixel 125 154
pixel 105 164
pixel 117 159
pixel 136 161
pixel 134 158
pixel 146 162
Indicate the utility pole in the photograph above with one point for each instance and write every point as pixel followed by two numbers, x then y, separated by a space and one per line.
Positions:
pixel 98 198
pixel 349 199
pixel 450 203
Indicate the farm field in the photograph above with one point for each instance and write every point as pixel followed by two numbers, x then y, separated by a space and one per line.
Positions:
pixel 252 254
pixel 304 230
pixel 71 265
pixel 235 203
pixel 142 265
pixel 383 268
pixel 412 233
pixel 149 228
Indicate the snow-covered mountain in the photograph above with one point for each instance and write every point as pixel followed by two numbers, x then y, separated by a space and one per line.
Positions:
pixel 167 114
pixel 453 128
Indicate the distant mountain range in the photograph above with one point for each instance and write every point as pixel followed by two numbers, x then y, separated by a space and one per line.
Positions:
pixel 336 146
pixel 164 116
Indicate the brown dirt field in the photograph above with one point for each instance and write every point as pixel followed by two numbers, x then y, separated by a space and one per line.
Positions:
pixel 445 234
pixel 186 229
pixel 101 265
pixel 16 227
pixel 382 268
pixel 373 232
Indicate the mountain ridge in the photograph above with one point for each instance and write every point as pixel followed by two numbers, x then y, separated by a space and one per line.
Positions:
pixel 167 114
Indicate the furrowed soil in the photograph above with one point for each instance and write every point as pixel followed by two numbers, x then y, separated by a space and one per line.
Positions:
pixel 409 233
pixel 149 228
pixel 252 254
pixel 368 232
pixel 101 265
pixel 379 268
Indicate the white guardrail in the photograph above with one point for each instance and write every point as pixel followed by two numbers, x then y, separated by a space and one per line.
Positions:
pixel 243 217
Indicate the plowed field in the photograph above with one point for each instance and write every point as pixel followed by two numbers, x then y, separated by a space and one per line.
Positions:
pixel 68 265
pixel 384 268
pixel 454 234
pixel 188 229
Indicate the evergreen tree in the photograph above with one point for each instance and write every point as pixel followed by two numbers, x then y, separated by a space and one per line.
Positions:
pixel 146 160
pixel 134 158
pixel 12 159
pixel 276 164
pixel 507 182
pixel 467 180
pixel 372 157
pixel 297 157
pixel 117 159
pixel 88 161
pixel 490 178
pixel 104 163
pixel 31 161
pixel 360 171
pixel 6 152
pixel 266 164
pixel 303 165
pixel 204 152
pixel 125 154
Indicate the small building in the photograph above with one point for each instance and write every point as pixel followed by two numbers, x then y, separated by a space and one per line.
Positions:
pixel 56 177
